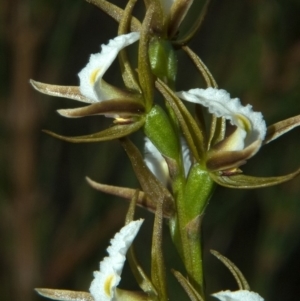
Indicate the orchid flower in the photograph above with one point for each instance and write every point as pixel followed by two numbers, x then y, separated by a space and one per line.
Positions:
pixel 125 106
pixel 240 295
pixel 92 88
pixel 250 126
pixel 224 157
pixel 91 75
pixel 106 280
pixel 218 155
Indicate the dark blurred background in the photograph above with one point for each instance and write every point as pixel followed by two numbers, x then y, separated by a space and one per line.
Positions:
pixel 54 228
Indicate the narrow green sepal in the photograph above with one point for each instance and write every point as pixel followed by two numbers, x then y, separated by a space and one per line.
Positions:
pixel 64 295
pixel 145 75
pixel 128 73
pixel 226 160
pixel 125 295
pixel 116 13
pixel 143 199
pixel 194 28
pixel 114 132
pixel 235 271
pixel 187 286
pixel 158 273
pixel 218 125
pixel 195 137
pixel 202 68
pixel 276 130
pixel 149 183
pixel 124 108
pixel 248 182
pixel 161 133
pixel 178 12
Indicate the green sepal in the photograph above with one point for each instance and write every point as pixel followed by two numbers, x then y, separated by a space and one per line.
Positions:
pixel 187 286
pixel 177 14
pixel 73 92
pixel 65 295
pixel 125 295
pixel 194 28
pixel 195 137
pixel 218 125
pixel 116 13
pixel 202 68
pixel 143 199
pixel 158 273
pixel 114 132
pixel 126 108
pixel 149 183
pixel 198 190
pixel 163 59
pixel 235 271
pixel 248 182
pixel 128 73
pixel 161 133
pixel 145 75
pixel 277 129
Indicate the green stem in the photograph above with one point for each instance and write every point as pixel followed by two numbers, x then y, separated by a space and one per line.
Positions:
pixel 192 198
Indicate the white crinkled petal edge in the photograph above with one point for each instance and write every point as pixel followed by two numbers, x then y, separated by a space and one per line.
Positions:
pixel 218 102
pixel 108 277
pixel 90 76
pixel 241 295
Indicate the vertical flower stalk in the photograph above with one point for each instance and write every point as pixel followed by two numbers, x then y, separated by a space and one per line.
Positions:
pixel 185 157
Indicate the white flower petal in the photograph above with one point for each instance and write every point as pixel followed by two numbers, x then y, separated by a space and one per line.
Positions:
pixel 106 280
pixel 156 162
pixel 219 103
pixel 186 156
pixel 241 295
pixel 90 76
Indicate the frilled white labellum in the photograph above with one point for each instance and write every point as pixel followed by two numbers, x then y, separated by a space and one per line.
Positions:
pixel 251 125
pixel 108 277
pixel 241 295
pixel 90 76
pixel 157 164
